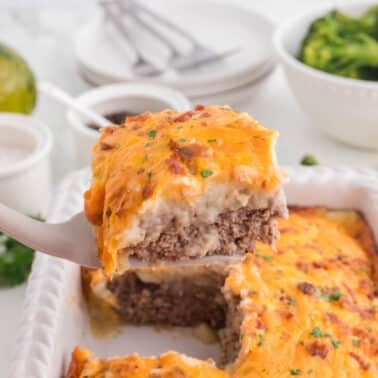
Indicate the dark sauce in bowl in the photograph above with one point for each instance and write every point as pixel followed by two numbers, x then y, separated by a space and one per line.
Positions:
pixel 116 118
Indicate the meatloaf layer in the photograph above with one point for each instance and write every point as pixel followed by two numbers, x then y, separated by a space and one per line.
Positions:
pixel 233 232
pixel 170 186
pixel 183 299
pixel 187 296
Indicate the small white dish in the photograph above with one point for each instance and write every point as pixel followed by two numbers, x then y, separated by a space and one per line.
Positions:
pixel 101 51
pixel 25 144
pixel 132 97
pixel 345 109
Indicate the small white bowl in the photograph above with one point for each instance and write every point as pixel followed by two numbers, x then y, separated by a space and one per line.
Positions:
pixel 131 97
pixel 25 144
pixel 346 109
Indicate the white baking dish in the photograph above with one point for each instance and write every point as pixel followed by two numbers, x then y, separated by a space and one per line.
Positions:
pixel 54 318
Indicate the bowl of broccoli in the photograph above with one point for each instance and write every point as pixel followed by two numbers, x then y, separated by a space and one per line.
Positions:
pixel 330 58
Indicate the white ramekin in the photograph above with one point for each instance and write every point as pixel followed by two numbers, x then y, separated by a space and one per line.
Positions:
pixel 25 185
pixel 346 109
pixel 132 97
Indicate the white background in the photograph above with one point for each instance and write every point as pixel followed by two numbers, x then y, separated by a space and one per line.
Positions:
pixel 44 36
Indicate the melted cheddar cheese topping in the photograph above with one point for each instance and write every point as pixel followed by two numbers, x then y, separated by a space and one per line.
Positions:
pixel 309 309
pixel 170 155
pixel 169 365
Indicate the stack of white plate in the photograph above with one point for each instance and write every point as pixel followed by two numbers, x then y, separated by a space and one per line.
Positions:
pixel 103 55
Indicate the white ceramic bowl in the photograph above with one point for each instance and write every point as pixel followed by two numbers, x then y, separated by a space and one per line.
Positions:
pixel 346 109
pixel 25 144
pixel 131 97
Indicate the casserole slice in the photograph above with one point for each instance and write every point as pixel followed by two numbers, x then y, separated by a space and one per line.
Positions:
pixel 171 186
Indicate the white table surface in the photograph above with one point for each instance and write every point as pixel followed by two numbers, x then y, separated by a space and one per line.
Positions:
pixel 45 38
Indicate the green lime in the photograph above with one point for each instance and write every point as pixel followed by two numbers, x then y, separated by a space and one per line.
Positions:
pixel 17 84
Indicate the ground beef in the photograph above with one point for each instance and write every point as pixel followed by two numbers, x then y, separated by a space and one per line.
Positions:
pixel 185 301
pixel 230 335
pixel 237 231
pixel 182 302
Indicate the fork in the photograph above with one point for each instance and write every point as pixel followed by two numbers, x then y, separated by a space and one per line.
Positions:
pixel 200 54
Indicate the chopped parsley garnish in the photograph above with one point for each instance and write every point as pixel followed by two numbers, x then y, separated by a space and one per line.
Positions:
pixel 291 301
pixel 335 343
pixel 145 157
pixel 212 140
pixel 335 295
pixel 152 134
pixel 267 258
pixel 148 144
pixel 117 146
pixel 323 296
pixel 309 160
pixel 316 332
pixel 206 173
pixel 182 140
pixel 356 342
pixel 295 371
pixel 261 341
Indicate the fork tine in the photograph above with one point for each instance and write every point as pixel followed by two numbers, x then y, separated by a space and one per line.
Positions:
pixel 151 29
pixel 188 62
pixel 164 21
pixel 116 21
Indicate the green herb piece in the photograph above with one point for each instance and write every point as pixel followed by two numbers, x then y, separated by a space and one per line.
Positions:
pixel 309 160
pixel 149 175
pixel 261 341
pixel 335 295
pixel 152 134
pixel 291 301
pixel 335 343
pixel 356 342
pixel 212 140
pixel 148 144
pixel 117 146
pixel 324 297
pixel 145 157
pixel 182 140
pixel 295 371
pixel 316 332
pixel 206 173
pixel 266 257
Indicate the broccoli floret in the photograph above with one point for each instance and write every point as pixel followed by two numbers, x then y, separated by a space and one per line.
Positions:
pixel 343 45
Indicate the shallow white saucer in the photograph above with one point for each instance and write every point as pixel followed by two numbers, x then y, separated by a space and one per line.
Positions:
pixel 101 51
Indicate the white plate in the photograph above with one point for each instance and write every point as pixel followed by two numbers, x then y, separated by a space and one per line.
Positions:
pixel 101 50
pixel 232 97
pixel 54 318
